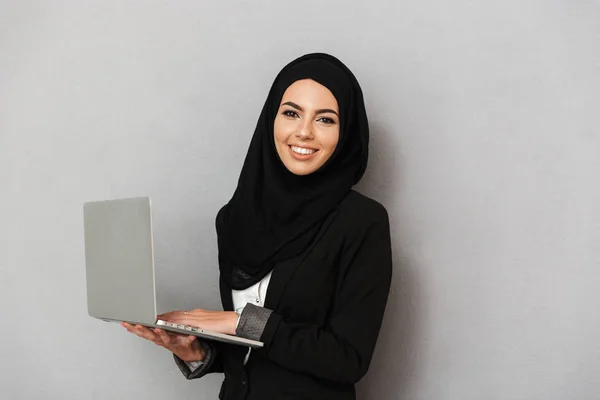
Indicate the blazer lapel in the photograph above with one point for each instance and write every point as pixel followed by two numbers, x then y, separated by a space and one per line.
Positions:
pixel 280 277
pixel 283 271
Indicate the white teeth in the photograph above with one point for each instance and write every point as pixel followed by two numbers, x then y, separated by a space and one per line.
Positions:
pixel 301 150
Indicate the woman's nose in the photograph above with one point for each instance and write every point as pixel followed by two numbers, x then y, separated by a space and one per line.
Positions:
pixel 305 131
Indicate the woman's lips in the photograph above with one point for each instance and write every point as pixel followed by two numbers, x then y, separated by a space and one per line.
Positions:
pixel 302 153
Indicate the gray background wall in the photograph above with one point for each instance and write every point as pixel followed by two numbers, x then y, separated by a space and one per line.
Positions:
pixel 485 151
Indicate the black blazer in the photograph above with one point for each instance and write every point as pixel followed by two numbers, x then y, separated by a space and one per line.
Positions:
pixel 328 305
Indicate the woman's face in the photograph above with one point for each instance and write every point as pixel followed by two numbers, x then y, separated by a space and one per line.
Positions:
pixel 307 126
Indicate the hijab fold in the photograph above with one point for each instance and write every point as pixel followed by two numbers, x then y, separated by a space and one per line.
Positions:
pixel 273 214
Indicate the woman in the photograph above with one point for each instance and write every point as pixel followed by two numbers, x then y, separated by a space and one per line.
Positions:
pixel 295 227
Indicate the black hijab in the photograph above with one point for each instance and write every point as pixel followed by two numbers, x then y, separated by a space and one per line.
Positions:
pixel 274 214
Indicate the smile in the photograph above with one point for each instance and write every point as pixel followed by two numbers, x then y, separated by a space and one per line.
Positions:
pixel 302 150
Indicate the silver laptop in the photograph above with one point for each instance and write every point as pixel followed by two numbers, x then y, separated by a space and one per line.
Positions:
pixel 119 260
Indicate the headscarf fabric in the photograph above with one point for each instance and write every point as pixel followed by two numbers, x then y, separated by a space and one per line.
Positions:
pixel 275 214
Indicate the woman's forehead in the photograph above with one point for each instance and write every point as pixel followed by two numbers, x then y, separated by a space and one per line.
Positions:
pixel 309 93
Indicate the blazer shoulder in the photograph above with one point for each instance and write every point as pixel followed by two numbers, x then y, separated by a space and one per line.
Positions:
pixel 362 210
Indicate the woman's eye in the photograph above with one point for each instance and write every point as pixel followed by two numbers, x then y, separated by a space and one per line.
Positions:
pixel 327 121
pixel 290 113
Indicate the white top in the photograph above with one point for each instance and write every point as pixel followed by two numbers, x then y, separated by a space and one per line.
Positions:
pixel 255 294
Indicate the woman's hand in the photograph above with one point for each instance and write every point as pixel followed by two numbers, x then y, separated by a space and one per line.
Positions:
pixel 216 321
pixel 185 347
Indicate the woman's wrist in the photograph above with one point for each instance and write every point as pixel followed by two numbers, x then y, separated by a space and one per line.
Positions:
pixel 197 357
pixel 232 322
pixel 198 353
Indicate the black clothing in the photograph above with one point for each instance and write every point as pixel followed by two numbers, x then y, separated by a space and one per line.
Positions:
pixel 328 306
pixel 274 214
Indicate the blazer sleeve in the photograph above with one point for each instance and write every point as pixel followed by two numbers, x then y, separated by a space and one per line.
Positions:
pixel 342 350
pixel 212 362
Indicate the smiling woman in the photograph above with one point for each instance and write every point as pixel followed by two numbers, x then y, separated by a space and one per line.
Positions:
pixel 305 261
pixel 306 128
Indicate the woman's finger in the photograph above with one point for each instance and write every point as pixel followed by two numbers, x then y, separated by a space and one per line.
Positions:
pixel 169 314
pixel 182 316
pixel 144 332
pixel 159 342
pixel 164 336
pixel 181 319
pixel 173 316
pixel 130 328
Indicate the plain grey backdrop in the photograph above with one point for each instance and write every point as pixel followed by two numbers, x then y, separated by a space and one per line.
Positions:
pixel 485 151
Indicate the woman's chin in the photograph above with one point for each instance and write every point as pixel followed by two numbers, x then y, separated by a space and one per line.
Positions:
pixel 301 168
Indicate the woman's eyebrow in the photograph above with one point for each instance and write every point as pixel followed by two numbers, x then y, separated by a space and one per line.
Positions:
pixel 321 111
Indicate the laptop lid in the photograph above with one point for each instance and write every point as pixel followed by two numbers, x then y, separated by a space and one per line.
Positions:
pixel 119 260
